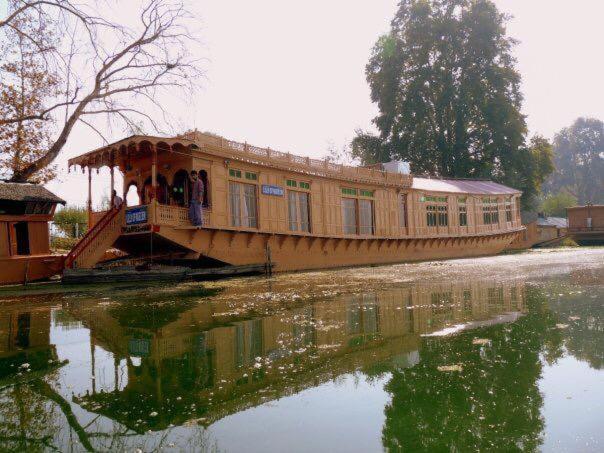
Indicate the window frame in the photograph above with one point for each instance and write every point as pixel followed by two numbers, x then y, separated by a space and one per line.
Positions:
pixel 298 210
pixel 437 210
pixel 241 203
pixel 359 197
pixel 462 208
pixel 509 216
pixel 490 210
pixel 356 216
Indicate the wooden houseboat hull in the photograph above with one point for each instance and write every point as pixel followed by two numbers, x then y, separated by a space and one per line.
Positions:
pixel 209 247
pixel 30 268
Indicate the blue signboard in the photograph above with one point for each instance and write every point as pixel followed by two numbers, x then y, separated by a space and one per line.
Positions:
pixel 139 347
pixel 135 216
pixel 272 190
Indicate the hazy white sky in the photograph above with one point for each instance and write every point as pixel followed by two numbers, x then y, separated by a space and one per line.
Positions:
pixel 290 75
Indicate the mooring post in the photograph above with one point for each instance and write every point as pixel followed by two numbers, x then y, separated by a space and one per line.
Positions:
pixel 26 273
pixel 269 264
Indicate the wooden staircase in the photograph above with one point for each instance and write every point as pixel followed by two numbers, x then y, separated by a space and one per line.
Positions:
pixel 90 249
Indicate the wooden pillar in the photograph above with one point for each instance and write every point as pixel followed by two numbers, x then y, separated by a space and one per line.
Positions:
pixel 154 173
pixel 89 204
pixel 111 197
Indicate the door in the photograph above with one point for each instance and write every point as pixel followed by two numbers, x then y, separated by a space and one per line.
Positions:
pixel 22 238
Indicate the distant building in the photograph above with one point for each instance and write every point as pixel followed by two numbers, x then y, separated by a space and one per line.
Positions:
pixel 25 210
pixel 540 229
pixel 586 224
pixel 549 228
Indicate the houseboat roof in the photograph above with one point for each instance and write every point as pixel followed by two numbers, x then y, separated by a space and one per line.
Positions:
pixel 599 206
pixel 558 222
pixel 16 191
pixel 119 152
pixel 470 186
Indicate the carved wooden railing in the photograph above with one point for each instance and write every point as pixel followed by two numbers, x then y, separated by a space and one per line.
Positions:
pixel 95 217
pixel 176 216
pixel 97 240
pixel 313 166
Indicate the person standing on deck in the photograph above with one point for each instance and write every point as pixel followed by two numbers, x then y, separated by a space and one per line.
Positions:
pixel 117 200
pixel 195 208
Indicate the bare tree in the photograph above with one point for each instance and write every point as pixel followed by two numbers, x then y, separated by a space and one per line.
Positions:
pixel 110 70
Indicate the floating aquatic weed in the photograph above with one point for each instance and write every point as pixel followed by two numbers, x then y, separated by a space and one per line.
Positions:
pixel 450 368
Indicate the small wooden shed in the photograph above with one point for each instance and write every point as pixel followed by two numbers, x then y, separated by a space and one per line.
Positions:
pixel 25 210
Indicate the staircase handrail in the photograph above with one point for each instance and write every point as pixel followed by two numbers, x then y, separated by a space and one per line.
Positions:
pixel 91 235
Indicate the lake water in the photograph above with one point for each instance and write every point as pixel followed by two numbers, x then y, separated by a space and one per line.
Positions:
pixel 493 354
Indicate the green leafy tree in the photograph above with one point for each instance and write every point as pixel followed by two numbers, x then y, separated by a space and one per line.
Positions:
pixel 556 204
pixel 67 218
pixel 579 160
pixel 448 94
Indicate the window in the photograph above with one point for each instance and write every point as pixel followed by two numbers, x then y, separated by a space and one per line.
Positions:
pixel 300 184
pixel 299 219
pixel 443 216
pixel 437 211
pixel 508 209
pixel 243 202
pixel 349 215
pixel 357 213
pixel 234 173
pixel 490 211
pixel 431 215
pixel 251 176
pixel 402 210
pixel 365 216
pixel 463 211
pixel 434 199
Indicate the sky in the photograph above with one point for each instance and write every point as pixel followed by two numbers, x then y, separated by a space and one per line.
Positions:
pixel 290 75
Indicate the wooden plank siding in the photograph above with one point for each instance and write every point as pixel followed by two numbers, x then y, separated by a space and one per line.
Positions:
pixel 325 204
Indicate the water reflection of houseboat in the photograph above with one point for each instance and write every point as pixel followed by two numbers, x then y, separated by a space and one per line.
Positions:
pixel 25 347
pixel 299 213
pixel 205 364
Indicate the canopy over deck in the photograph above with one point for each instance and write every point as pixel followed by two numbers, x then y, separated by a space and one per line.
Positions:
pixel 121 153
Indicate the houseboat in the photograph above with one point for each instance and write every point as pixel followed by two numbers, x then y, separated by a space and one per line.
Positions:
pixel 586 224
pixel 265 206
pixel 25 210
